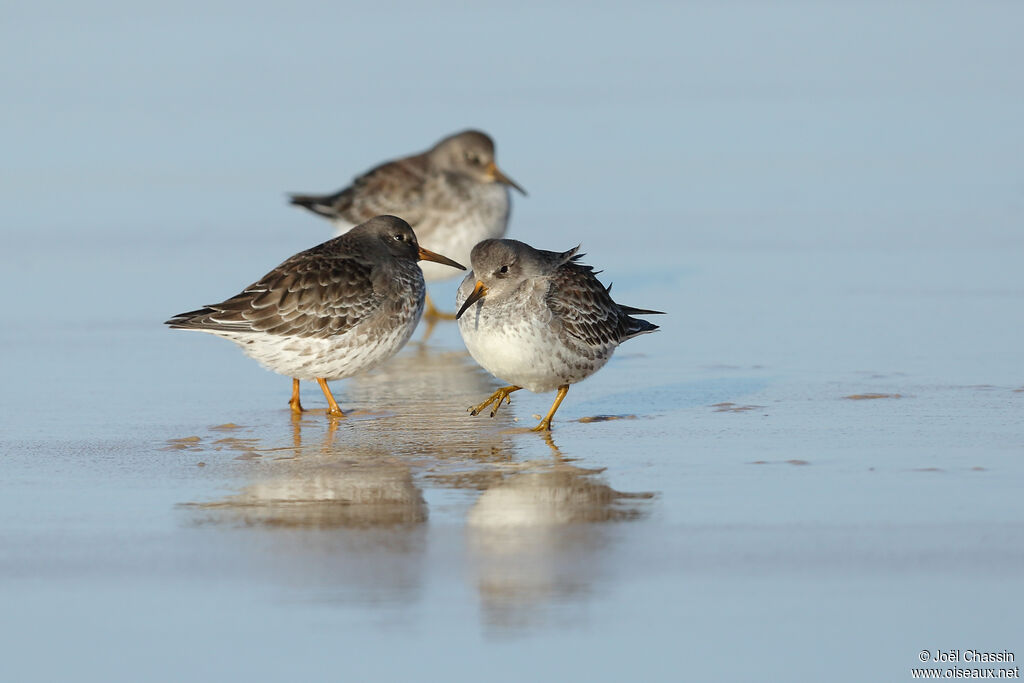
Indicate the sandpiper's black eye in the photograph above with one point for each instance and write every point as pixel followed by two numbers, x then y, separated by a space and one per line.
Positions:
pixel 502 272
pixel 472 158
pixel 400 237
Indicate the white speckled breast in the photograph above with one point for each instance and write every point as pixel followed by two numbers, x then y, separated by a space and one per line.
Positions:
pixel 516 339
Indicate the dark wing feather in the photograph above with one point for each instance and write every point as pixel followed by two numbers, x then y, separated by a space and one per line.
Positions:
pixel 629 310
pixel 394 188
pixel 310 295
pixel 586 310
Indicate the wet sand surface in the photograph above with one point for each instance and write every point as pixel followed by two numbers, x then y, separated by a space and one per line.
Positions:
pixel 811 472
pixel 172 500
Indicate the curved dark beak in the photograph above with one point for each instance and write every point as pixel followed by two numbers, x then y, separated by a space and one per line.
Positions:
pixel 499 177
pixel 437 258
pixel 479 292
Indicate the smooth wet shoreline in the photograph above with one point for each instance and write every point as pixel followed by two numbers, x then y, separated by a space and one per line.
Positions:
pixel 817 471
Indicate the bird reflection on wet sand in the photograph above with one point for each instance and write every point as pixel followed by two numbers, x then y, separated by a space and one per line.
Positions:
pixel 422 390
pixel 540 536
pixel 357 489
pixel 339 507
pixel 343 525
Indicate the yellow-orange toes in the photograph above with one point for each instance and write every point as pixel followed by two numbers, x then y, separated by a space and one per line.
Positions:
pixel 497 397
pixel 545 424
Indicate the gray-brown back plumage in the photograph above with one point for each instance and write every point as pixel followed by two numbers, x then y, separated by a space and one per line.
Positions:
pixel 411 186
pixel 395 187
pixel 323 291
pixel 452 194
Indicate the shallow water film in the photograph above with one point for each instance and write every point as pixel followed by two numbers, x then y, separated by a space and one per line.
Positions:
pixel 811 472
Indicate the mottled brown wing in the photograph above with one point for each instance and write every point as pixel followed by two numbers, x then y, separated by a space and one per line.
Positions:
pixel 395 188
pixel 310 295
pixel 584 307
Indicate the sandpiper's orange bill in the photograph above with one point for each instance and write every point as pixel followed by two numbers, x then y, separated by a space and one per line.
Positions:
pixel 499 177
pixel 437 258
pixel 479 292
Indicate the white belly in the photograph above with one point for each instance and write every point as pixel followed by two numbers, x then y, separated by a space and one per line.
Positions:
pixel 518 344
pixel 514 355
pixel 337 357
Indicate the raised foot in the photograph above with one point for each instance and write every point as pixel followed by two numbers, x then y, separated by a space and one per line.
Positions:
pixel 496 398
pixel 544 426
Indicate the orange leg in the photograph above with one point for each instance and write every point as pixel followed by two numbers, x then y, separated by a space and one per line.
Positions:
pixel 545 424
pixel 499 396
pixel 294 404
pixel 431 313
pixel 333 410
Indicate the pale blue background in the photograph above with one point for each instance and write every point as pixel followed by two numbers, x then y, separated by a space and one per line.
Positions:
pixel 825 197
